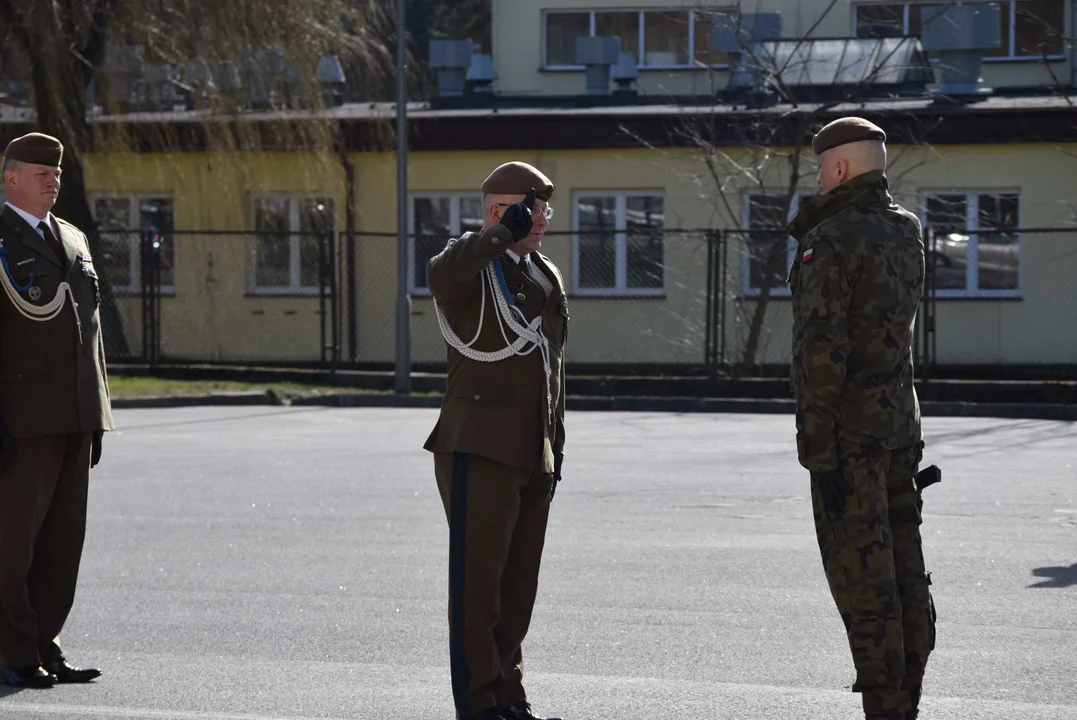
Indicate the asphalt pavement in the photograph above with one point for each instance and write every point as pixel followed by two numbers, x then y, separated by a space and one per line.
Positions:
pixel 256 563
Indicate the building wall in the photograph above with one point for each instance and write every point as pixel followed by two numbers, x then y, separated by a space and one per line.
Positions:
pixel 213 315
pixel 519 59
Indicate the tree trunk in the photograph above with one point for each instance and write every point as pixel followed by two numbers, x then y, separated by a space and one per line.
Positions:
pixel 755 332
pixel 61 81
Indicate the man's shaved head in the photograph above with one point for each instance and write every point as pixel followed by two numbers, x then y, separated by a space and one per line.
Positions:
pixel 844 162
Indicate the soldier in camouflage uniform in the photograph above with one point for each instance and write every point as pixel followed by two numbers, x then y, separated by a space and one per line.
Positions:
pixel 856 283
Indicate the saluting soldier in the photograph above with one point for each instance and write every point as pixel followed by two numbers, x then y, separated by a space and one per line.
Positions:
pixel 54 406
pixel 499 439
pixel 857 279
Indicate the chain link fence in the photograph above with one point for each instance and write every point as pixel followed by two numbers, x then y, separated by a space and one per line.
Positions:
pixel 642 301
pixel 225 297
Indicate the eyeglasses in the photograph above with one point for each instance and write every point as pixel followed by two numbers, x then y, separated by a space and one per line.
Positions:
pixel 544 210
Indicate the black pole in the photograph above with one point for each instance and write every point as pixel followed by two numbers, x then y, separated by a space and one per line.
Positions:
pixel 708 351
pixel 349 264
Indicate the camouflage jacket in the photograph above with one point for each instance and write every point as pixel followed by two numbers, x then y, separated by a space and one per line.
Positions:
pixel 856 281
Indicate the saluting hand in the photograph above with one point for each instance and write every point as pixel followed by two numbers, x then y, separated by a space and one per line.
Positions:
pixel 517 218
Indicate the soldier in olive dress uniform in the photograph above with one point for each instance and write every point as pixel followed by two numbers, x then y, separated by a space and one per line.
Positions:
pixel 499 439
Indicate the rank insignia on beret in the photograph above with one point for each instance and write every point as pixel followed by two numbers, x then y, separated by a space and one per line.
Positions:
pixel 807 256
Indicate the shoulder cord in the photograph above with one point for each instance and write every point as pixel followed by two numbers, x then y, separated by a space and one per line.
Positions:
pixel 527 334
pixel 37 313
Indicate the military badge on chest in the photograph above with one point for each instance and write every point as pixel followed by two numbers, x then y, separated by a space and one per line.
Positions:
pixel 86 265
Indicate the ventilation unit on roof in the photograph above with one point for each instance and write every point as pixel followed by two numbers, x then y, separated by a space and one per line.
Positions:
pixel 451 59
pixel 624 74
pixel 480 73
pixel 598 55
pixel 161 87
pixel 122 69
pixel 330 76
pixel 739 35
pixel 958 34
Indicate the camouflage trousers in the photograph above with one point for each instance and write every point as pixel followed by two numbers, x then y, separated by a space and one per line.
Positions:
pixel 874 564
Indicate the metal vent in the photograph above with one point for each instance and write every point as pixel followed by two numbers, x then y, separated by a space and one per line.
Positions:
pixel 598 55
pixel 739 35
pixel 625 73
pixel 451 59
pixel 480 73
pixel 330 75
pixel 123 67
pixel 958 34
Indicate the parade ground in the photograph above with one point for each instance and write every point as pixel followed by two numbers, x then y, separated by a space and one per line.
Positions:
pixel 291 562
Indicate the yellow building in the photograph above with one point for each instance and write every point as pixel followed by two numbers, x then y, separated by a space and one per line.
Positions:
pixel 645 173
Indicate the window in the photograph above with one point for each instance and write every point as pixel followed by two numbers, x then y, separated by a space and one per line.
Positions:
pixel 286 252
pixel 769 249
pixel 1029 28
pixel 656 38
pixel 122 221
pixel 434 219
pixel 619 246
pixel 974 255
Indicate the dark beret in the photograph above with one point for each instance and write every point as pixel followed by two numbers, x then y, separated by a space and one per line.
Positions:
pixel 516 178
pixel 845 130
pixel 36 149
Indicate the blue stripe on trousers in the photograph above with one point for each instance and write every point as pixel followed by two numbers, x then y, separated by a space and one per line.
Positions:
pixel 461 678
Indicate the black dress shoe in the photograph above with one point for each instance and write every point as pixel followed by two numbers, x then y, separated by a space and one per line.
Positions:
pixel 27 677
pixel 65 672
pixel 522 711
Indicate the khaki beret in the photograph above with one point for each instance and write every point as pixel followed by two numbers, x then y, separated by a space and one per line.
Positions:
pixel 845 130
pixel 36 149
pixel 516 178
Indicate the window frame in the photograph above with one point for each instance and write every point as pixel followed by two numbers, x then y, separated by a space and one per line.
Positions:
pixel 295 260
pixel 781 290
pixel 620 257
pixel 135 240
pixel 693 14
pixel 454 228
pixel 1011 41
pixel 972 251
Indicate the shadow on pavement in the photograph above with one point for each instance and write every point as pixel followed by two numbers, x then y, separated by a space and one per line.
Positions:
pixel 1056 577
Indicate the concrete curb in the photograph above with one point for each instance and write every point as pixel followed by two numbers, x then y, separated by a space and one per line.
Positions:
pixel 1014 411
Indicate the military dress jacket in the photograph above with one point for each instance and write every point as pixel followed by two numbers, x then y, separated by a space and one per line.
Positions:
pixel 52 372
pixel 499 409
pixel 856 282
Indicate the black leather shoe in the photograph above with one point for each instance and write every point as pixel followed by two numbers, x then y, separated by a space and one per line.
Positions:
pixel 65 672
pixel 27 677
pixel 522 711
pixel 887 716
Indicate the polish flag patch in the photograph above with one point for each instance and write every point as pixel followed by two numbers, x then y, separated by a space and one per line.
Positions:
pixel 807 256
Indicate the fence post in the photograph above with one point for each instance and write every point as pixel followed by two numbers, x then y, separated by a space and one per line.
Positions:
pixel 334 276
pixel 150 276
pixel 927 354
pixel 708 339
pixel 723 243
pixel 352 300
